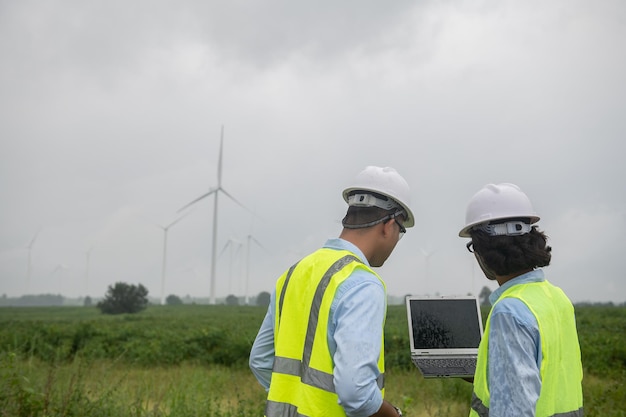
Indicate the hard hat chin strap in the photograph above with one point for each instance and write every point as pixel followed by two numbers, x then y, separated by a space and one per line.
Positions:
pixel 512 228
pixel 374 223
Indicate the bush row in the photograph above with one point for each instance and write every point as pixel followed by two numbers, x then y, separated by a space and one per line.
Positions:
pixel 171 335
pixel 211 335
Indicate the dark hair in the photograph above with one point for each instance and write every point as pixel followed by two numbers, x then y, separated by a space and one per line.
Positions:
pixel 363 215
pixel 506 255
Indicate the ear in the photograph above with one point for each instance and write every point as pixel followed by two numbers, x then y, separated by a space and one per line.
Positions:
pixel 388 228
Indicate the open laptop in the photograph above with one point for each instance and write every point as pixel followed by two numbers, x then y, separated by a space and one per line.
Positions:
pixel 444 333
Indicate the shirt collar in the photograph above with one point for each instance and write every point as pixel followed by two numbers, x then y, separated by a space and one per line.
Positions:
pixel 342 244
pixel 535 275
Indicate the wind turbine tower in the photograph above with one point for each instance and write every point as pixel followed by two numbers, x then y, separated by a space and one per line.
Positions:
pixel 165 229
pixel 427 254
pixel 29 266
pixel 59 270
pixel 215 191
pixel 88 253
pixel 250 240
pixel 235 247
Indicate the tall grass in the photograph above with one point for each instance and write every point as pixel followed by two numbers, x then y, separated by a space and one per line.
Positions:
pixel 110 389
pixel 192 361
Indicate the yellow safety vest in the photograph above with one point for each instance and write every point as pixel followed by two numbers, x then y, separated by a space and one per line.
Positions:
pixel 302 377
pixel 561 368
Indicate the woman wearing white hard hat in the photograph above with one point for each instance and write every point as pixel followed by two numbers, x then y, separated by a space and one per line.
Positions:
pixel 529 358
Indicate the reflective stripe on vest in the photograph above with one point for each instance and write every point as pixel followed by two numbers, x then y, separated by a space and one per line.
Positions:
pixel 309 375
pixel 560 390
pixel 301 369
pixel 483 411
pixel 273 408
pixel 478 406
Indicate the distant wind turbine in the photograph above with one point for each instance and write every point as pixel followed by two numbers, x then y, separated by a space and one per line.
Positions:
pixel 165 229
pixel 29 267
pixel 473 267
pixel 59 270
pixel 250 240
pixel 427 254
pixel 215 191
pixel 59 267
pixel 87 271
pixel 235 247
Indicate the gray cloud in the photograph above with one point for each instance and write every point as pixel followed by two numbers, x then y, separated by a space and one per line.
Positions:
pixel 111 116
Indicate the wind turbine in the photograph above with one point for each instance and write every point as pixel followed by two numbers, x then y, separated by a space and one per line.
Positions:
pixel 215 191
pixel 427 254
pixel 29 267
pixel 473 267
pixel 59 270
pixel 235 247
pixel 87 271
pixel 165 229
pixel 250 240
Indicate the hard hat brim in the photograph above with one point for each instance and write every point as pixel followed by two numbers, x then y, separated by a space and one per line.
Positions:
pixel 408 222
pixel 465 231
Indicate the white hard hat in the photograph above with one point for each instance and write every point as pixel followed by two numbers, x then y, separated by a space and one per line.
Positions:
pixel 384 181
pixel 499 202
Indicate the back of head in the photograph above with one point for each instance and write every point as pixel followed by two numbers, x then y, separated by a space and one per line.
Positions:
pixel 375 193
pixel 499 219
pixel 507 255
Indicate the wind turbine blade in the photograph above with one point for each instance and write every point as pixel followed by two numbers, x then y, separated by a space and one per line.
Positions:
pixel 178 219
pixel 230 242
pixel 235 200
pixel 225 247
pixel 211 191
pixel 32 242
pixel 258 243
pixel 59 267
pixel 219 161
pixel 238 249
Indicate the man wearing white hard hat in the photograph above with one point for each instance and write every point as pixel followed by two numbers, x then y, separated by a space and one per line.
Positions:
pixel 320 348
pixel 529 358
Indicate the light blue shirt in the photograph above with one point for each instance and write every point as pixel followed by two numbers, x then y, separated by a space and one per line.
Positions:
pixel 515 356
pixel 355 329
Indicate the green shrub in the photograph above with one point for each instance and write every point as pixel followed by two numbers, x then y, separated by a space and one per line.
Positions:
pixel 123 298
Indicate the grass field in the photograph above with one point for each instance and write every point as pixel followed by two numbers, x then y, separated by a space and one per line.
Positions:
pixel 191 360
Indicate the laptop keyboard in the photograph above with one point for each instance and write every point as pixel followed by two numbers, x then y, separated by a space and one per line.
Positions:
pixel 443 366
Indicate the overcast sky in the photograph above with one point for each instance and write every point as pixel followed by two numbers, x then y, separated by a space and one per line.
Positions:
pixel 110 119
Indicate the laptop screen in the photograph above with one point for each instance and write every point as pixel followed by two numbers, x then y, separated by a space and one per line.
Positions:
pixel 444 323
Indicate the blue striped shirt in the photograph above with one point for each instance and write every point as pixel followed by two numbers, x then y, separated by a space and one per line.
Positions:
pixel 514 360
